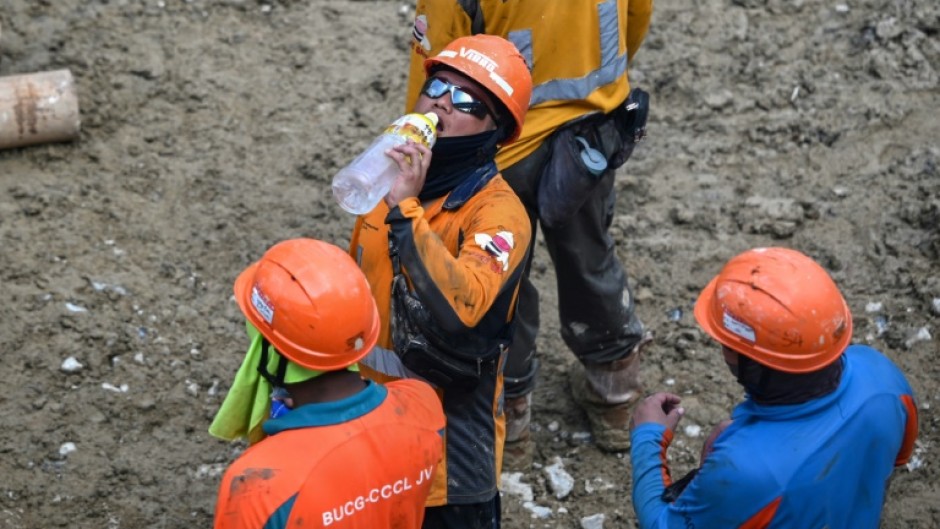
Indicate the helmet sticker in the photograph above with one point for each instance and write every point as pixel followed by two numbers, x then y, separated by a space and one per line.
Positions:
pixel 498 245
pixel 738 327
pixel 261 304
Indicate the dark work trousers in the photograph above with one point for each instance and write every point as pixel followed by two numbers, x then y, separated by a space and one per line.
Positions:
pixel 595 303
pixel 471 516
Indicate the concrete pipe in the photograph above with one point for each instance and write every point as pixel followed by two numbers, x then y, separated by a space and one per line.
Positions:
pixel 38 108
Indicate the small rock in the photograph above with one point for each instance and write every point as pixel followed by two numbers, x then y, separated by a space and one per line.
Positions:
pixel 75 308
pixel 71 365
pixel 888 28
pixel 873 306
pixel 537 511
pixel 594 521
pixel 559 480
pixel 692 430
pixel 581 437
pixel 512 484
pixel 881 324
pixel 67 448
pixel 922 335
pixel 718 99
pixel 936 305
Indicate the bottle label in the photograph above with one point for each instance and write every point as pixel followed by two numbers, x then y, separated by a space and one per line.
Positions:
pixel 415 127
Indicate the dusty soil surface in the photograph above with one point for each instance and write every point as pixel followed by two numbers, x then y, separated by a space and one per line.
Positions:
pixel 211 129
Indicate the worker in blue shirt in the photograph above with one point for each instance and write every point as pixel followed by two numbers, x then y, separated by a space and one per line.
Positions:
pixel 823 424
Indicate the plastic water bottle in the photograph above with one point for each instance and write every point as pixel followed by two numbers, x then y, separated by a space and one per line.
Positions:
pixel 360 186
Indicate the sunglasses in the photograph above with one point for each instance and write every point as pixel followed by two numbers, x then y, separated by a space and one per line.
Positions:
pixel 462 101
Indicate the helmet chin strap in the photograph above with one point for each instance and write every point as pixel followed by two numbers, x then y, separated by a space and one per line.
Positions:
pixel 275 379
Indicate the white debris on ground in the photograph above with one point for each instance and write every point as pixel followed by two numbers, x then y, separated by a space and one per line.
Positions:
pixel 117 389
pixel 559 480
pixel 594 521
pixel 581 437
pixel 67 448
pixel 917 460
pixel 597 484
pixel 936 305
pixel 922 335
pixel 692 430
pixel 538 511
pixel 75 308
pixel 212 471
pixel 873 306
pixel 512 484
pixel 117 289
pixel 71 365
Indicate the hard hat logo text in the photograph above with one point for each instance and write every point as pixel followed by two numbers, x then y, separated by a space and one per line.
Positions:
pixel 474 56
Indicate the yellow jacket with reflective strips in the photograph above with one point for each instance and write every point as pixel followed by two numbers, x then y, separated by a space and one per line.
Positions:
pixel 578 52
pixel 459 253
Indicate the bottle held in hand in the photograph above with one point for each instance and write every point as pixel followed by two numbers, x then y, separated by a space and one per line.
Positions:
pixel 360 186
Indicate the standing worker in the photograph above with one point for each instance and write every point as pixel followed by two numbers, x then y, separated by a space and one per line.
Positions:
pixel 578 130
pixel 444 253
pixel 824 423
pixel 342 452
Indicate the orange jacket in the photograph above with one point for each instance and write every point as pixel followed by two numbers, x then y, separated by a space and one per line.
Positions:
pixel 460 253
pixel 362 462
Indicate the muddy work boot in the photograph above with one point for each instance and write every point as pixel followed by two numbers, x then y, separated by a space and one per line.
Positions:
pixel 607 393
pixel 517 452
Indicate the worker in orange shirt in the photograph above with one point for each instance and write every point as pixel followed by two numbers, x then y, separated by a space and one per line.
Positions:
pixel 340 451
pixel 444 253
pixel 583 122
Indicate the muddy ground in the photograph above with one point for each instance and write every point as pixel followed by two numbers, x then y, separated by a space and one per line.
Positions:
pixel 211 129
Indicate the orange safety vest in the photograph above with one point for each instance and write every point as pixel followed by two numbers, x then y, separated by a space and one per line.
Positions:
pixel 362 462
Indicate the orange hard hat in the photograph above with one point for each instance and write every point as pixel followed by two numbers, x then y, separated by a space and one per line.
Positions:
pixel 495 64
pixel 777 307
pixel 311 302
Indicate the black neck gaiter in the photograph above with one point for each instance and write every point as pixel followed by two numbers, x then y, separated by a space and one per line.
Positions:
pixel 770 386
pixel 455 158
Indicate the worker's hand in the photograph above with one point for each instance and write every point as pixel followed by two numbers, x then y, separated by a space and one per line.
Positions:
pixel 660 408
pixel 710 441
pixel 413 160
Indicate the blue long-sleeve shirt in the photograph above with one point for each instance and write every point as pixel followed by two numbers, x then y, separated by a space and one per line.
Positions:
pixel 822 463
